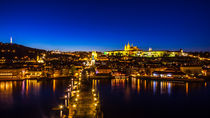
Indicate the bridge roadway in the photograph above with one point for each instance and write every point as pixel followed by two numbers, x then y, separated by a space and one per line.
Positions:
pixel 84 102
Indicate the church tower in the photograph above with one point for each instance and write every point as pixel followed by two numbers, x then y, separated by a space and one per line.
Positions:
pixel 128 46
pixel 125 48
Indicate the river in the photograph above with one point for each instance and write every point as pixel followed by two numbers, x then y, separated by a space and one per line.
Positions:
pixel 124 98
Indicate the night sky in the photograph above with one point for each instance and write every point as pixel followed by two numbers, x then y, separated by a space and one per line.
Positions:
pixel 101 25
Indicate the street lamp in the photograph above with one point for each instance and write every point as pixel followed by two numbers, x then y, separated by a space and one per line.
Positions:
pixel 61 112
pixel 74 105
pixel 68 92
pixel 65 98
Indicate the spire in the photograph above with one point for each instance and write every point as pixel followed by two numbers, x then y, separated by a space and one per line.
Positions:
pixel 11 40
pixel 128 46
pixel 150 49
pixel 125 48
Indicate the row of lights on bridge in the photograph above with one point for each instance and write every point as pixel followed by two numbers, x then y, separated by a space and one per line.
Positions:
pixel 73 94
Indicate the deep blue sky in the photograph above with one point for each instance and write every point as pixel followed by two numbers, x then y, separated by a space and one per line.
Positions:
pixel 106 24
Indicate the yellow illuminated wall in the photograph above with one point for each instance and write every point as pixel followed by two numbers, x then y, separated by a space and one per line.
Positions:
pixel 134 51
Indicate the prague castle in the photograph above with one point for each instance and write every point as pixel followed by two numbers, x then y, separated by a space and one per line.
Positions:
pixel 130 50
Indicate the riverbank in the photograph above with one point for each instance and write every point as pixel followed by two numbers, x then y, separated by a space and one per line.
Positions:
pixel 6 79
pixel 38 78
pixel 152 78
pixel 111 77
pixel 101 77
pixel 172 79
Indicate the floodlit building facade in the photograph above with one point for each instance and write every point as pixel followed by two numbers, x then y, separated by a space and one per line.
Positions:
pixel 130 50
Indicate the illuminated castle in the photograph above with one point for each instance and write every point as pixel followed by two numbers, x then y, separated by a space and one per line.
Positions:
pixel 130 50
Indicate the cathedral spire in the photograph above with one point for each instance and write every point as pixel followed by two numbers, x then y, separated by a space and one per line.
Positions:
pixel 125 48
pixel 128 46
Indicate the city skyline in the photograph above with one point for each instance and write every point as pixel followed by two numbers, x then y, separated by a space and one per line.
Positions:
pixel 106 25
pixel 104 58
pixel 98 48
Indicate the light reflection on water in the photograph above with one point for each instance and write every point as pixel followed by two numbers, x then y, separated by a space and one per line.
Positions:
pixel 27 87
pixel 156 87
pixel 153 98
pixel 153 86
pixel 6 89
pixel 27 97
pixel 41 96
pixel 9 88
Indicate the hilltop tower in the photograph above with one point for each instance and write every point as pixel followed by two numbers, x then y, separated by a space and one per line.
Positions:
pixel 10 40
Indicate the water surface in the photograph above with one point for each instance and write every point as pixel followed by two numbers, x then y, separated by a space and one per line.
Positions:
pixel 30 98
pixel 124 98
pixel 135 98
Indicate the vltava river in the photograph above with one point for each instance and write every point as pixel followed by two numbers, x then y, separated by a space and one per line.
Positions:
pixel 123 98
